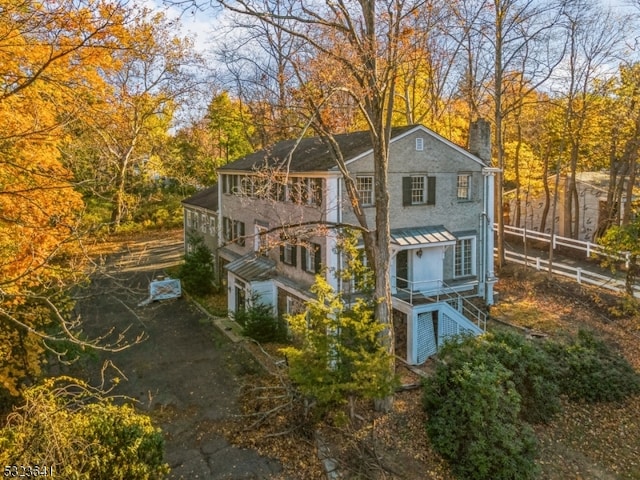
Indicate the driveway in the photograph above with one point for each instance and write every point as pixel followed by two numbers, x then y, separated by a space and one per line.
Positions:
pixel 184 372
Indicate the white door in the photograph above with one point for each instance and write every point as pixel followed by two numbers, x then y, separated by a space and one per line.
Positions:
pixel 427 269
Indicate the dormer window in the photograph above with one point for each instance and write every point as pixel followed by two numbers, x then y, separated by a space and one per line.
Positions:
pixel 419 144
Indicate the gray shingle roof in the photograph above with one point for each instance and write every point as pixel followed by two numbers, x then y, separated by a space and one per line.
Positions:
pixel 206 198
pixel 311 154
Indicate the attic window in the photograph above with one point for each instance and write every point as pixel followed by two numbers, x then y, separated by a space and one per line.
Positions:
pixel 419 144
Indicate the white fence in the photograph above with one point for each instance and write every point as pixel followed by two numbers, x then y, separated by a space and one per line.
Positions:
pixel 575 273
pixel 587 247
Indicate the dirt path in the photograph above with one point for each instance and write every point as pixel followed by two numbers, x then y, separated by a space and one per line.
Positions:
pixel 184 373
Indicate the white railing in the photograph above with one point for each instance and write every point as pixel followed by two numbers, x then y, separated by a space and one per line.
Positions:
pixel 438 291
pixel 588 248
pixel 575 273
pixel 422 288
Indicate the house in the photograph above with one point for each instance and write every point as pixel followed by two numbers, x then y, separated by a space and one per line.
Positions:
pixel 592 188
pixel 278 208
pixel 200 217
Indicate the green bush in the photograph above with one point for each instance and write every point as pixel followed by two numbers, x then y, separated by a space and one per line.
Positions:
pixel 197 272
pixel 534 374
pixel 259 323
pixel 474 421
pixel 591 372
pixel 485 388
pixel 71 428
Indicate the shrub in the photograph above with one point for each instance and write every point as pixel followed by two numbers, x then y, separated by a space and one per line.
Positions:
pixel 70 427
pixel 337 354
pixel 590 371
pixel 473 421
pixel 259 323
pixel 534 374
pixel 197 271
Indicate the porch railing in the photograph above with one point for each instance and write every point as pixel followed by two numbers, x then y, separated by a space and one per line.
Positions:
pixel 438 291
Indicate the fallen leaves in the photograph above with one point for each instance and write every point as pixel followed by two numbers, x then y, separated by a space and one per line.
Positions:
pixel 585 441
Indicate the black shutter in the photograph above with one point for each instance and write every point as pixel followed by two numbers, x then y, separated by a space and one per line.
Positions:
pixel 303 258
pixel 431 190
pixel 294 256
pixel 282 253
pixel 317 258
pixel 406 191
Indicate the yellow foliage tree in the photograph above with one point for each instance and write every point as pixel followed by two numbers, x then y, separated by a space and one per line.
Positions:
pixel 49 53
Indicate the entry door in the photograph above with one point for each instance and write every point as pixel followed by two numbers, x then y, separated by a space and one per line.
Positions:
pixel 402 269
pixel 428 270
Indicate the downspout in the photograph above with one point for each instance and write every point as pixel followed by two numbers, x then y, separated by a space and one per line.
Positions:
pixel 490 278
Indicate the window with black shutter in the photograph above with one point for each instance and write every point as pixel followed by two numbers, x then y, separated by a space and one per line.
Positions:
pixel 418 190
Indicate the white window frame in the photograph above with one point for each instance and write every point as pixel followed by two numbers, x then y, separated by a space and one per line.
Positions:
pixel 464 263
pixel 419 144
pixel 463 186
pixel 287 257
pixel 261 241
pixel 418 189
pixel 212 224
pixel 203 223
pixel 365 195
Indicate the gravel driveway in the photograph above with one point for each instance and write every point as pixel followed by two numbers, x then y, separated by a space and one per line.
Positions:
pixel 185 371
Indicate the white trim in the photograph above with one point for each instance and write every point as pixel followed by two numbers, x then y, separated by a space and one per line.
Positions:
pixel 431 133
pixel 473 256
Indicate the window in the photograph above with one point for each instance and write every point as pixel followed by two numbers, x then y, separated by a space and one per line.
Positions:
pixel 238 233
pixel 203 223
pixel 188 217
pixel 227 230
pixel 418 190
pixel 246 186
pixel 261 243
pixel 288 254
pixel 364 185
pixel 194 220
pixel 312 194
pixel 293 190
pixel 230 184
pixel 464 186
pixel 212 224
pixel 311 258
pixel 232 230
pixel 464 261
pixel 419 144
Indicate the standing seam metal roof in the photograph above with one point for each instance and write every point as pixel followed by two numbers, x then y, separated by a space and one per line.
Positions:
pixel 404 237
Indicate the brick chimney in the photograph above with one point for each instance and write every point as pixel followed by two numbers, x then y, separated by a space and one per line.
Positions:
pixel 480 139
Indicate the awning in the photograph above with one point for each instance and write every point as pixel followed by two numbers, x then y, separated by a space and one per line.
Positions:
pixel 422 236
pixel 252 267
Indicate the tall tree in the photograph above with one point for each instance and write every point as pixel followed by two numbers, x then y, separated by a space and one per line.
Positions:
pixel 258 57
pixel 49 54
pixel 519 32
pixel 123 127
pixel 363 40
pixel 593 36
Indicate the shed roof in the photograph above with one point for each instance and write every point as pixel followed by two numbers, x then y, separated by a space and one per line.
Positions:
pixel 252 267
pixel 416 236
